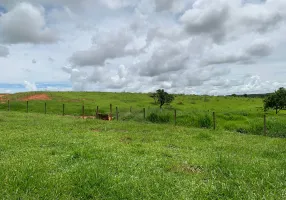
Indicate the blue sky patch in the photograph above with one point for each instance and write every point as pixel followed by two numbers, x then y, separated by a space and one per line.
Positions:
pixel 2 9
pixel 39 85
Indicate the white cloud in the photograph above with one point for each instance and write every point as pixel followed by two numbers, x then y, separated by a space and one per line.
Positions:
pixel 4 51
pixel 110 46
pixel 209 19
pixel 25 23
pixel 30 86
pixel 200 46
pixel 169 57
pixel 259 48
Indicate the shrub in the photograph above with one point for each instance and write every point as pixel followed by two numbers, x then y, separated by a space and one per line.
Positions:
pixel 127 116
pixel 230 126
pixel 159 118
pixel 243 113
pixel 242 130
pixel 205 121
pixel 276 127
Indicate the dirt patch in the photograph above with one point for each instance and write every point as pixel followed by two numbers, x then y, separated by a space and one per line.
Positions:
pixel 2 99
pixel 88 117
pixel 38 97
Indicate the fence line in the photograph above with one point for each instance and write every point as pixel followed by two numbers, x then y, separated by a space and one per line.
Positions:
pixel 185 119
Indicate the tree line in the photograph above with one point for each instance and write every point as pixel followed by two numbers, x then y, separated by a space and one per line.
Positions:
pixel 276 100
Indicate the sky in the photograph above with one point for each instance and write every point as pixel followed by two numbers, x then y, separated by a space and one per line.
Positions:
pixel 214 47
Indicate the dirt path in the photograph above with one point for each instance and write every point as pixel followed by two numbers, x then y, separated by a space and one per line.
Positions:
pixel 36 97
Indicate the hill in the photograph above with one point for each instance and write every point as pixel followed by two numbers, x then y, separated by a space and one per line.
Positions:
pixel 243 115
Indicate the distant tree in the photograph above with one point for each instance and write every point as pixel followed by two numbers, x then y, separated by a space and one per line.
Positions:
pixel 163 97
pixel 276 101
pixel 153 96
pixel 245 95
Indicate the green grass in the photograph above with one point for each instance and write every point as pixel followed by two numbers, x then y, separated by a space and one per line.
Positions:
pixel 54 157
pixel 236 114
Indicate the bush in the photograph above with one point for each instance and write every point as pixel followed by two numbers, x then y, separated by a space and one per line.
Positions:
pixel 243 113
pixel 276 127
pixel 127 117
pixel 159 118
pixel 205 121
pixel 242 129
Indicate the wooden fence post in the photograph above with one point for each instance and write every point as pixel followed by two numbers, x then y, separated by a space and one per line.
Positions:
pixel 214 120
pixel 27 106
pixel 63 109
pixel 175 115
pixel 265 128
pixel 8 105
pixel 83 111
pixel 116 113
pixel 144 113
pixel 45 108
pixel 110 107
pixel 96 115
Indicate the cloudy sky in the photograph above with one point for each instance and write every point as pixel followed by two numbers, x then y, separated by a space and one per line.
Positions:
pixel 183 46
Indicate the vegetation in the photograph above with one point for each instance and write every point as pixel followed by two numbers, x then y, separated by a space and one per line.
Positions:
pixel 276 100
pixel 162 97
pixel 235 114
pixel 55 157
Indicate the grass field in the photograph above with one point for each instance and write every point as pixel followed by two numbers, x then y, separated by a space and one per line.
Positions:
pixel 236 114
pixel 55 157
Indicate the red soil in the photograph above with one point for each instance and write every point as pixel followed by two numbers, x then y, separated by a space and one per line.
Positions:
pixel 36 97
pixel 1 98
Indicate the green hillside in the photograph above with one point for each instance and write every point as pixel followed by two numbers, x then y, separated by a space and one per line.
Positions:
pixel 55 157
pixel 237 114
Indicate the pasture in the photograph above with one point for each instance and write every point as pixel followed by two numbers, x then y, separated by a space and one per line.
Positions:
pixel 55 157
pixel 235 114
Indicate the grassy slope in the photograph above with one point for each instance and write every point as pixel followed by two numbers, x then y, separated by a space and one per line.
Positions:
pixel 52 157
pixel 238 114
pixel 136 100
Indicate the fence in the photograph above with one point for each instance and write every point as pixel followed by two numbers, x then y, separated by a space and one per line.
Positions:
pixel 242 122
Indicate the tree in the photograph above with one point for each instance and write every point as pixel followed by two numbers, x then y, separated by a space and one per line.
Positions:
pixel 163 97
pixel 153 96
pixel 276 101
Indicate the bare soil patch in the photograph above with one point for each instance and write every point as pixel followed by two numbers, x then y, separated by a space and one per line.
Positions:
pixel 2 99
pixel 36 97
